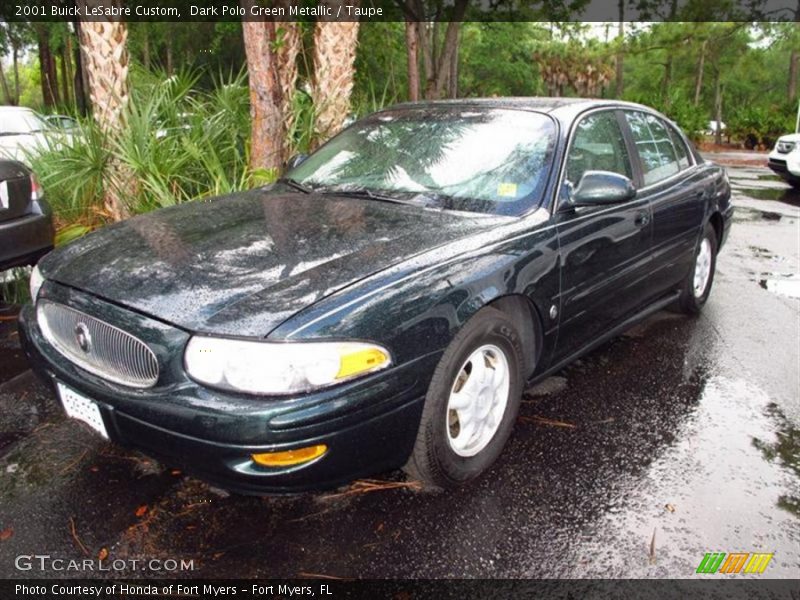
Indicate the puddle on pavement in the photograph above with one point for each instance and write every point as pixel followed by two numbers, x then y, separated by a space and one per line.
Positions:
pixel 743 213
pixel 784 451
pixel 783 284
pixel 784 195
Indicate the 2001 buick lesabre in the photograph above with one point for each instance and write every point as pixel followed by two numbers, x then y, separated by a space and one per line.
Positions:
pixel 385 304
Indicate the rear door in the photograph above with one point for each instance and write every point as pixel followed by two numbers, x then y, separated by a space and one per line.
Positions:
pixel 605 250
pixel 15 191
pixel 677 194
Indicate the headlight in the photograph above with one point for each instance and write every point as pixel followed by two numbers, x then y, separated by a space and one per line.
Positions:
pixel 259 367
pixel 36 283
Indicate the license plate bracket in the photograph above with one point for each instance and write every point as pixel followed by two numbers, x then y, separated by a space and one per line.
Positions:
pixel 82 408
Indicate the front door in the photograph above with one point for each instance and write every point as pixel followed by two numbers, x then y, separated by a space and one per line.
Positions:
pixel 604 250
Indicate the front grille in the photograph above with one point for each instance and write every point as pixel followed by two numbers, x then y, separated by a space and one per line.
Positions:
pixel 98 347
pixel 777 165
pixel 785 147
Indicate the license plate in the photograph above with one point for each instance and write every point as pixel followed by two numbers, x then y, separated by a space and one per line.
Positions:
pixel 82 408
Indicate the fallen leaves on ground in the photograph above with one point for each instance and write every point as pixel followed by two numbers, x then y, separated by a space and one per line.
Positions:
pixel 6 534
pixel 103 554
pixel 75 537
pixel 542 421
pixel 141 510
pixel 363 486
pixel 305 574
pixel 653 548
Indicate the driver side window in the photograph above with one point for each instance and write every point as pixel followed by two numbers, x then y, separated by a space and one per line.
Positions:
pixel 598 145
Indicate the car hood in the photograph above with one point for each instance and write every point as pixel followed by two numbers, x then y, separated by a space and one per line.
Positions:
pixel 242 264
pixel 792 137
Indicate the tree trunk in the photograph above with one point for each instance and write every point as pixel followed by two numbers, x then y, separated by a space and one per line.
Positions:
pixel 105 52
pixel 146 48
pixel 412 53
pixel 718 108
pixel 452 91
pixel 425 31
pixel 6 92
pixel 65 95
pixel 169 55
pixel 45 65
pixel 15 59
pixel 334 69
pixel 288 49
pixel 794 62
pixel 266 98
pixel 701 63
pixel 620 84
pixel 52 70
pixel 438 63
pixel 665 83
pixel 79 83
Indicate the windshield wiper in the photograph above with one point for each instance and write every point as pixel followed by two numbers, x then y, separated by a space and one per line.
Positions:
pixel 293 183
pixel 366 193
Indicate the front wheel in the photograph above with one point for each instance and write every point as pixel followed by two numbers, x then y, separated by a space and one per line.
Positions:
pixel 471 404
pixel 697 285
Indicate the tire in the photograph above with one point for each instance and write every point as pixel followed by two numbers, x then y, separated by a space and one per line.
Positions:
pixel 696 286
pixel 447 451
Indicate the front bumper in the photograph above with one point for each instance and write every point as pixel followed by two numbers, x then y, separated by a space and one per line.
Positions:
pixel 369 425
pixel 786 165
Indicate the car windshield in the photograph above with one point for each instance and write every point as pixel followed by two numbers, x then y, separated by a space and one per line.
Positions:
pixel 20 121
pixel 492 161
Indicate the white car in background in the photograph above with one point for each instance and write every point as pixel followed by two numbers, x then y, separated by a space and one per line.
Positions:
pixel 23 131
pixel 785 158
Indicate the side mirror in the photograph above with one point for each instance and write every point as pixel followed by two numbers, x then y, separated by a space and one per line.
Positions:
pixel 602 187
pixel 295 161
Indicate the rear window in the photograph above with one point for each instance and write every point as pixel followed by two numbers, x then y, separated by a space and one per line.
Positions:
pixel 654 145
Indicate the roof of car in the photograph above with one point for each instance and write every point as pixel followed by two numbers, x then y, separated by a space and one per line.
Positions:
pixel 15 109
pixel 560 107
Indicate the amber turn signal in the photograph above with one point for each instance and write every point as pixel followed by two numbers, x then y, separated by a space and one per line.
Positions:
pixel 288 458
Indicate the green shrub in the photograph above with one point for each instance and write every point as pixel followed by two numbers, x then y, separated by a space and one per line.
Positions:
pixel 677 106
pixel 180 143
pixel 755 125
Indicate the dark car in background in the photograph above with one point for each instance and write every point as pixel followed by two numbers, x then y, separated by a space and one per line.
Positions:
pixel 385 304
pixel 26 222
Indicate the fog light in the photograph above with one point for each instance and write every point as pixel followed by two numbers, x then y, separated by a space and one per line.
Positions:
pixel 289 457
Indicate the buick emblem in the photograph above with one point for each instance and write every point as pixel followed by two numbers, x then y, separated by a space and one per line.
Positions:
pixel 83 337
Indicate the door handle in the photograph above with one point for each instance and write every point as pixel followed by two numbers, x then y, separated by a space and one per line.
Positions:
pixel 642 218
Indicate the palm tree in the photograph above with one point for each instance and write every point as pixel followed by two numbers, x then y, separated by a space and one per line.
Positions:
pixel 334 69
pixel 266 95
pixel 105 60
pixel 272 49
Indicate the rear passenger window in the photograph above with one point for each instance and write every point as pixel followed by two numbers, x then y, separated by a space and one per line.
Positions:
pixel 680 148
pixel 654 146
pixel 598 145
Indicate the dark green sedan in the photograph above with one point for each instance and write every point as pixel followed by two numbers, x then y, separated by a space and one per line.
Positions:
pixel 385 304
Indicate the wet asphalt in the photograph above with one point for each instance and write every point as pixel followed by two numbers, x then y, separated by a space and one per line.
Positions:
pixel 678 438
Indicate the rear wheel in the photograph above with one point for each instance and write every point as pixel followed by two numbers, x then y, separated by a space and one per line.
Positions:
pixel 697 285
pixel 471 404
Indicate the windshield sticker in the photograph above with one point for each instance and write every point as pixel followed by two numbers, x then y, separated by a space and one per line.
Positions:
pixel 507 190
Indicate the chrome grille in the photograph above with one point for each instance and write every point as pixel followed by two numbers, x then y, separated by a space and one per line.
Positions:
pixel 98 347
